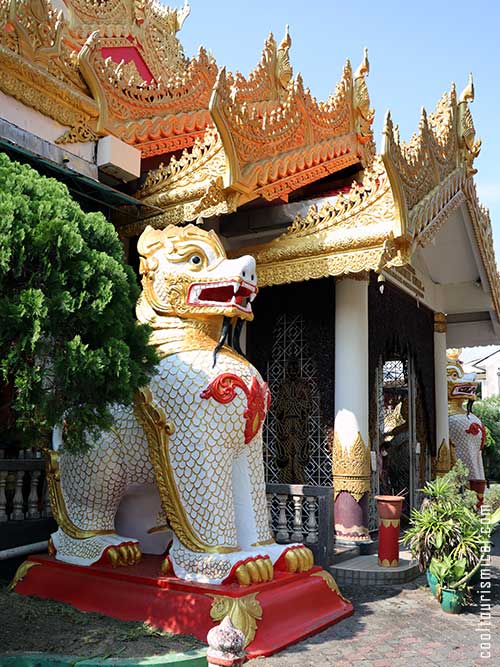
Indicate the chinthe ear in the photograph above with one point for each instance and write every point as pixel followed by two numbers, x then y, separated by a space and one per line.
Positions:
pixel 150 241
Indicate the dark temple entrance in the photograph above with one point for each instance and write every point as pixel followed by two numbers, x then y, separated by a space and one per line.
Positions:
pixel 291 342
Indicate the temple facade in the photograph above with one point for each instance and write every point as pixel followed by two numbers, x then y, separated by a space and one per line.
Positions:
pixel 371 261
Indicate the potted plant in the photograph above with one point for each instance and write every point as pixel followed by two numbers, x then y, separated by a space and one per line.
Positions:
pixel 448 525
pixel 451 582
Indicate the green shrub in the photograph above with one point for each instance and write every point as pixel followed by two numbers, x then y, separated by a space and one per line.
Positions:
pixel 69 342
pixel 492 497
pixel 447 524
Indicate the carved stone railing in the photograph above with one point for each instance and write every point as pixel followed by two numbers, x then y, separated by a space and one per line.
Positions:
pixel 303 514
pixel 23 492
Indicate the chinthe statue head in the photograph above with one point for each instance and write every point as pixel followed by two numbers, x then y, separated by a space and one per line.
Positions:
pixel 186 273
pixel 461 386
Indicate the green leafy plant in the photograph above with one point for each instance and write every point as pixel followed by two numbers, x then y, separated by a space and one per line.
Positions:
pixel 449 571
pixel 69 342
pixel 492 497
pixel 447 523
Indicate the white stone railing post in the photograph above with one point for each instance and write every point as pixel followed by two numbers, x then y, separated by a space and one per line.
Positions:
pixel 3 497
pixel 282 532
pixel 33 510
pixel 312 523
pixel 297 529
pixel 18 501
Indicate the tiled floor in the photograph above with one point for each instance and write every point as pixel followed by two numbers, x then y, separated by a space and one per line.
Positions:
pixel 402 626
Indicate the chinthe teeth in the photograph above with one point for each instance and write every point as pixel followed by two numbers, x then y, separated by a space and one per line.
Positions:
pixel 233 301
pixel 252 297
pixel 236 287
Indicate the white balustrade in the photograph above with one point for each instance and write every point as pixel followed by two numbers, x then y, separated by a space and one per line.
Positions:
pixel 20 497
pixel 303 514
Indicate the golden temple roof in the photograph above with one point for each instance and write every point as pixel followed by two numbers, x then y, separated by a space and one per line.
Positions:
pixel 399 203
pixel 123 67
pixel 118 67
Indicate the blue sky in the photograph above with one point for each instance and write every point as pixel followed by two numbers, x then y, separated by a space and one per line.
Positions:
pixel 415 50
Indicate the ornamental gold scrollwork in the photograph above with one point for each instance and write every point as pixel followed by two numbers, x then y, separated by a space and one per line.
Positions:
pixel 57 502
pixel 439 323
pixel 354 233
pixel 158 431
pixel 244 613
pixel 351 468
pixel 331 583
pixel 21 572
pixel 441 464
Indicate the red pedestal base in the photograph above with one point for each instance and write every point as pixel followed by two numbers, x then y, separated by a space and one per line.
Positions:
pixel 388 542
pixel 289 608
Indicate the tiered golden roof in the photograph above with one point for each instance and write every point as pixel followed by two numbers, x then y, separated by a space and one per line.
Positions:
pixel 355 232
pixel 117 67
pixel 398 203
pixel 158 99
pixel 272 137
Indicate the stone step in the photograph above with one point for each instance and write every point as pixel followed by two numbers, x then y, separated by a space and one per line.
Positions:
pixel 366 570
pixel 341 553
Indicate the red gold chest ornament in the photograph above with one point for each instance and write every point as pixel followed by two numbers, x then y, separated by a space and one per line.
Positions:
pixel 223 389
pixel 475 429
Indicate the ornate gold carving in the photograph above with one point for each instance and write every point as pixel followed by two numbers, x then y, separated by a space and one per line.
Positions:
pixel 351 468
pixel 36 66
pixel 331 583
pixel 481 224
pixel 470 147
pixel 431 176
pixel 390 523
pixel 164 106
pixel 57 502
pixel 439 322
pixel 158 430
pixel 21 572
pixel 363 112
pixel 387 563
pixel 285 133
pixel 352 234
pixel 430 169
pixel 441 464
pixel 80 132
pixel 272 137
pixel 191 184
pixel 148 23
pixel 244 613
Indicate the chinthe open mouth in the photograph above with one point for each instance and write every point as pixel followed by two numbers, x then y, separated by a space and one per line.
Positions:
pixel 464 390
pixel 232 293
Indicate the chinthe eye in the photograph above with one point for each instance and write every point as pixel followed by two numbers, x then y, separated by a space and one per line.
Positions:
pixel 195 259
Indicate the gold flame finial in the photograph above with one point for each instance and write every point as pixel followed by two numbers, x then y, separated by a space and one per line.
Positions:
pixel 467 94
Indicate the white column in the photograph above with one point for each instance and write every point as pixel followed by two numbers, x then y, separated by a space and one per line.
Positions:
pixel 351 360
pixel 442 462
pixel 351 454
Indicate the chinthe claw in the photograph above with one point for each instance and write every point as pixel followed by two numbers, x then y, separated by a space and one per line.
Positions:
pixel 242 575
pixel 254 572
pixel 137 552
pixel 113 556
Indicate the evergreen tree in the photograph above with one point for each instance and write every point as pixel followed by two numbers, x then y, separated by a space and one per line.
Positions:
pixel 69 343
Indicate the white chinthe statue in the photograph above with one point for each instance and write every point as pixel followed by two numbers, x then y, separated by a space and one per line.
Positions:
pixel 467 432
pixel 194 434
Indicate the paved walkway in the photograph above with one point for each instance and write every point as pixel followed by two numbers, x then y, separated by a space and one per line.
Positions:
pixel 401 627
